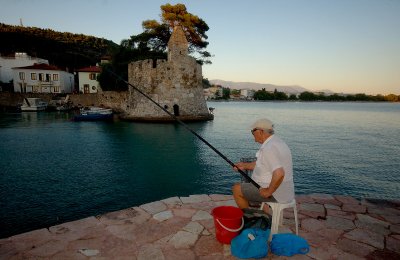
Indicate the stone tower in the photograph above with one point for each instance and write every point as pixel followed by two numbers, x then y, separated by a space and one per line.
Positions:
pixel 175 84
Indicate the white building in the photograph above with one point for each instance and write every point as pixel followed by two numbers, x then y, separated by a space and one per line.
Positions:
pixel 42 78
pixel 87 78
pixel 19 59
pixel 247 93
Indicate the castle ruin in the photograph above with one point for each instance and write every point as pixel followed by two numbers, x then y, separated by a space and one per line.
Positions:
pixel 175 84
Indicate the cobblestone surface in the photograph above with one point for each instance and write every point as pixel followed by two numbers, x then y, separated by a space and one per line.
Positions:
pixel 336 227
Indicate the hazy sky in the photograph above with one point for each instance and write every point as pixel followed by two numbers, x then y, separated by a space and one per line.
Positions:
pixel 350 46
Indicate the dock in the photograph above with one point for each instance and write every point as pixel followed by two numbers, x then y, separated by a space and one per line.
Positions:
pixel 335 226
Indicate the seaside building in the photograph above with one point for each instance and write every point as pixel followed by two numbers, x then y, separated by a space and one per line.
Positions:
pixel 247 94
pixel 175 84
pixel 19 59
pixel 42 78
pixel 87 78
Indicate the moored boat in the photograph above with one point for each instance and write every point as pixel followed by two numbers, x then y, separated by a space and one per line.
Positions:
pixel 94 114
pixel 33 104
pixel 60 104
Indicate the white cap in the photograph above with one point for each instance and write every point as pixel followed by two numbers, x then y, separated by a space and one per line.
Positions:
pixel 263 123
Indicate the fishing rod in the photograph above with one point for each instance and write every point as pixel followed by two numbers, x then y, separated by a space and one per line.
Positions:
pixel 248 178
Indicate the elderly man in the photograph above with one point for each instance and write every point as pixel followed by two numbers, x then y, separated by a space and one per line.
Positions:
pixel 273 169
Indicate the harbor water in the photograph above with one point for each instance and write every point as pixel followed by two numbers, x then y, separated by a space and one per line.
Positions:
pixel 54 170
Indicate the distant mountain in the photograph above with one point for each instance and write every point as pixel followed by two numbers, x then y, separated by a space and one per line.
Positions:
pixel 268 87
pixel 258 86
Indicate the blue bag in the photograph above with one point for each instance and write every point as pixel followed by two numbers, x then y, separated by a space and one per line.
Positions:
pixel 251 243
pixel 288 245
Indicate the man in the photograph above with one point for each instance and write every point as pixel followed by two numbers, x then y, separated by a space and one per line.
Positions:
pixel 273 169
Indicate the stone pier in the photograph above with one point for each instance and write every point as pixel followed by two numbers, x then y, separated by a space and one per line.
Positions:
pixel 336 227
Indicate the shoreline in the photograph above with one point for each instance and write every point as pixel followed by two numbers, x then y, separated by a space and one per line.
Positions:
pixel 335 226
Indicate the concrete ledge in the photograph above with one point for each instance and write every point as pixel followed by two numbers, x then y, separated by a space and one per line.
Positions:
pixel 183 228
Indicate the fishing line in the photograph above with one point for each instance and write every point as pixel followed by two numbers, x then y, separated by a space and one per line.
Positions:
pixel 187 128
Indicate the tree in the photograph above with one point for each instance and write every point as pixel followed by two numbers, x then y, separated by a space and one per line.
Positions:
pixel 226 93
pixel 206 83
pixel 263 95
pixel 156 35
pixel 307 96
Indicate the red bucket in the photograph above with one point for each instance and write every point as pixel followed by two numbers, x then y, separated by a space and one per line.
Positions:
pixel 228 222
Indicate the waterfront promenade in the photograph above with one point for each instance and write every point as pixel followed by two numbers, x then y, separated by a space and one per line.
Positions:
pixel 336 227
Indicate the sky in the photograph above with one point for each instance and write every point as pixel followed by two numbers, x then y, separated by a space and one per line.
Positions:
pixel 346 46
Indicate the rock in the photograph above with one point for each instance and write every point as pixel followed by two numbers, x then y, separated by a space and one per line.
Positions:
pixel 347 199
pixel 172 201
pixel 220 197
pixel 195 198
pixel 194 227
pixel 339 223
pixel 367 237
pixel 154 207
pixel 312 225
pixel 163 215
pixel 355 247
pixel 340 214
pixel 201 215
pixel 183 239
pixel 150 252
pixel 354 208
pixel 393 243
pixel 373 224
pixel 89 252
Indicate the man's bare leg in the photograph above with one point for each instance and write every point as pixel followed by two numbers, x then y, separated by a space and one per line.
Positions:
pixel 241 201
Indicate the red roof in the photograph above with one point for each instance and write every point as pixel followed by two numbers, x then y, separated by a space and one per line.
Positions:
pixel 90 69
pixel 40 66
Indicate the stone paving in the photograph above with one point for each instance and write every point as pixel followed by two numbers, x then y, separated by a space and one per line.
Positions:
pixel 336 227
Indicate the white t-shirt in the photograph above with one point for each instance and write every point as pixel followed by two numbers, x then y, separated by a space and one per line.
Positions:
pixel 274 154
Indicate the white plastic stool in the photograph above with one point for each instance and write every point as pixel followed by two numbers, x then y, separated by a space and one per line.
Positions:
pixel 277 215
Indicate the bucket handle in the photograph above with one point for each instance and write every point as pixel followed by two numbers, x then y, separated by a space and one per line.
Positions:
pixel 229 229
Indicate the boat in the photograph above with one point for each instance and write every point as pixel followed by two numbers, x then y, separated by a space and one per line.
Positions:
pixel 94 114
pixel 33 104
pixel 60 104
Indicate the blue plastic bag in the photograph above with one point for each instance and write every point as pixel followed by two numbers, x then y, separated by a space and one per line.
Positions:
pixel 288 245
pixel 251 243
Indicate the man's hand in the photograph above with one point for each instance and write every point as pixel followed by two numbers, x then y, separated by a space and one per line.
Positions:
pixel 265 192
pixel 240 165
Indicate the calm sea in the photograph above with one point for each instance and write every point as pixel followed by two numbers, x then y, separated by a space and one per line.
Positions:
pixel 54 170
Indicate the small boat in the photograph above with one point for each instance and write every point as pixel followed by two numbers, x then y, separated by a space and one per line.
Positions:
pixel 94 114
pixel 33 104
pixel 60 104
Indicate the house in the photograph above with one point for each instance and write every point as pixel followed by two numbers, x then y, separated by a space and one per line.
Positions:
pixel 247 94
pixel 19 59
pixel 42 78
pixel 87 78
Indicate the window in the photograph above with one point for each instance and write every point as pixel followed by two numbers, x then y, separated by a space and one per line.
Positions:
pixel 92 76
pixel 22 75
pixel 33 76
pixel 55 77
pixel 56 88
pixel 41 76
pixel 48 77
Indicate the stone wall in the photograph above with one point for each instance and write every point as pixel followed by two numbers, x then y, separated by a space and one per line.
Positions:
pixel 175 84
pixel 115 100
pixel 111 99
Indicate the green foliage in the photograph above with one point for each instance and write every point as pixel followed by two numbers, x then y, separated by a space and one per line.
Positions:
pixel 66 50
pixel 235 91
pixel 156 35
pixel 206 83
pixel 226 92
pixel 266 95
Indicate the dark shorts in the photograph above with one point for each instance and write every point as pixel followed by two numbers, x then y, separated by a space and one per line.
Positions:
pixel 251 193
